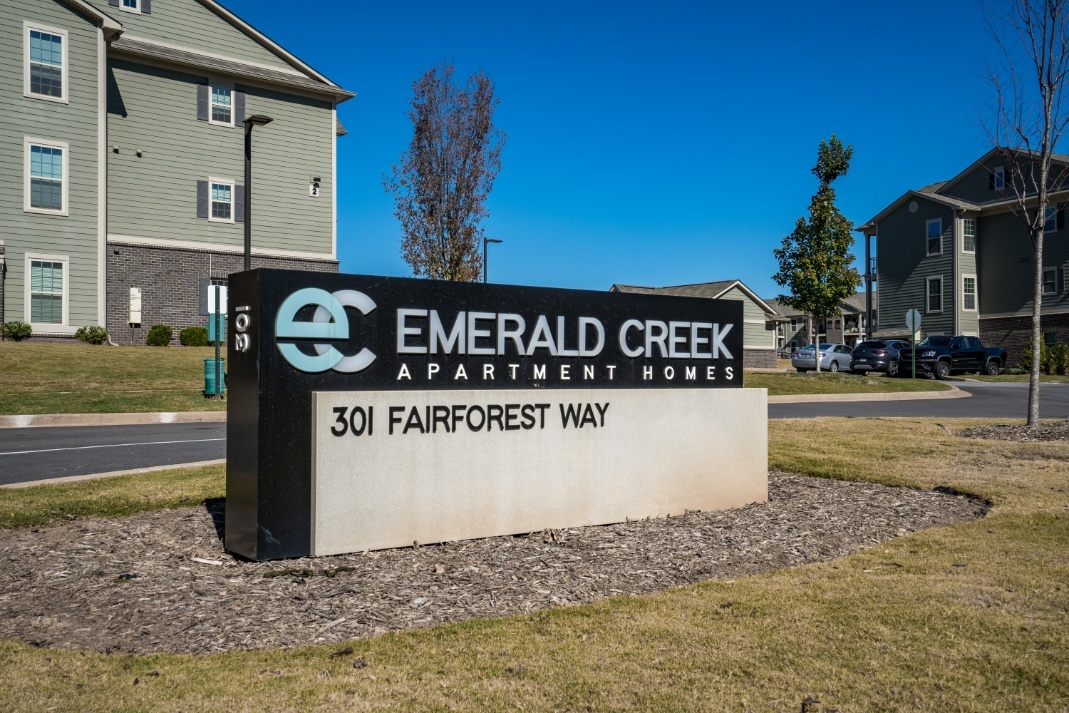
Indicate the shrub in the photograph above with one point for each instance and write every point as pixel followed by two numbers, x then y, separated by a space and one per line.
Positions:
pixel 193 337
pixel 159 335
pixel 1059 356
pixel 1044 357
pixel 92 334
pixel 16 331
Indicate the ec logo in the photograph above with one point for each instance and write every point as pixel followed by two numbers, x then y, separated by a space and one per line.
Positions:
pixel 328 322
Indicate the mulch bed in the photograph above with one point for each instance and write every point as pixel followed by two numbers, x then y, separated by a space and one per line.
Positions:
pixel 1045 431
pixel 161 581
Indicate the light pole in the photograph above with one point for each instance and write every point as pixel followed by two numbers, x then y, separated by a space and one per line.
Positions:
pixel 485 242
pixel 254 120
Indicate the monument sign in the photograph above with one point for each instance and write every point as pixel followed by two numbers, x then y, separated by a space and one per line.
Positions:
pixel 371 412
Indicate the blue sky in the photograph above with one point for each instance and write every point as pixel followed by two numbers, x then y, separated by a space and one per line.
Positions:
pixel 651 145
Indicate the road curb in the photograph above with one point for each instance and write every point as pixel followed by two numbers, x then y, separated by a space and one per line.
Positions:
pixel 112 474
pixel 110 419
pixel 954 393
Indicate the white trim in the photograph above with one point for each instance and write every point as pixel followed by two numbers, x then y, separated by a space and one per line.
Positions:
pixel 102 182
pixel 955 231
pixel 64 326
pixel 927 252
pixel 221 182
pixel 1053 269
pixel 927 304
pixel 27 142
pixel 975 294
pixel 334 180
pixel 214 83
pixel 115 238
pixel 136 9
pixel 65 75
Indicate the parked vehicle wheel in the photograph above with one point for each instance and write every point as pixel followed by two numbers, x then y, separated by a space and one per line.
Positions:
pixel 802 371
pixel 834 366
pixel 942 370
pixel 892 369
pixel 992 368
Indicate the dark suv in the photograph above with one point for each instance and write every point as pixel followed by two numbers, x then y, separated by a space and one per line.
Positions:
pixel 877 356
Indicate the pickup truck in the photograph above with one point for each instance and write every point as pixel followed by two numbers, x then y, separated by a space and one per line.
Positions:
pixel 942 356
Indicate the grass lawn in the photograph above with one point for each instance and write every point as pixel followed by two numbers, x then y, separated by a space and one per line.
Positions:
pixel 838 383
pixel 972 617
pixel 80 378
pixel 1046 378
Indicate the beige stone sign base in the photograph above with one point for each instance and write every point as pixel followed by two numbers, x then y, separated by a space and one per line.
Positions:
pixel 392 467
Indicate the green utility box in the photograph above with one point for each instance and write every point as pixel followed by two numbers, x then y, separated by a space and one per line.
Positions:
pixel 209 376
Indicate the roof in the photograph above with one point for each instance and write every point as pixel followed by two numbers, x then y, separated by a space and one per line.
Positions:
pixel 107 23
pixel 706 290
pixel 1059 157
pixel 138 47
pixel 855 303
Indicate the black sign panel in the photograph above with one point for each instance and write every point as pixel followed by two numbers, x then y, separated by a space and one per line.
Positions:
pixel 294 333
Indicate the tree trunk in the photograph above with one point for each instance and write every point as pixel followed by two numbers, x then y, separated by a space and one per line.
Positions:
pixel 1037 304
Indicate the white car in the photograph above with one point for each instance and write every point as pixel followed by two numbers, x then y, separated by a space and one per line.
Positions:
pixel 833 357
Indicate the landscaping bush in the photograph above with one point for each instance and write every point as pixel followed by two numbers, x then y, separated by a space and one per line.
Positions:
pixel 93 334
pixel 159 335
pixel 193 337
pixel 1044 358
pixel 1059 357
pixel 16 331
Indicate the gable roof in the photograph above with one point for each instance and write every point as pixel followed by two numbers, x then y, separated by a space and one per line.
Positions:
pixel 107 23
pixel 947 185
pixel 853 304
pixel 706 290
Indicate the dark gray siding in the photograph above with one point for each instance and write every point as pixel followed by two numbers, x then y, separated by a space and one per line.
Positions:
pixel 903 267
pixel 975 186
pixel 154 196
pixel 74 235
pixel 968 321
pixel 187 23
pixel 1005 265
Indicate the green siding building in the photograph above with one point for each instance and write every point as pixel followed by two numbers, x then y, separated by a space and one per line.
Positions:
pixel 122 140
pixel 959 252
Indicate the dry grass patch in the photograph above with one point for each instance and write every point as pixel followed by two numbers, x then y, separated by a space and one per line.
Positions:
pixel 793 383
pixel 80 378
pixel 965 618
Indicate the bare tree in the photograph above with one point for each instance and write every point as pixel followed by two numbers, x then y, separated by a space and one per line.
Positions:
pixel 442 181
pixel 1027 121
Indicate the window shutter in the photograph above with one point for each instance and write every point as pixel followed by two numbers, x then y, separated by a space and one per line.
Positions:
pixel 202 199
pixel 146 7
pixel 1059 220
pixel 202 102
pixel 239 203
pixel 990 181
pixel 1059 280
pixel 239 108
pixel 113 3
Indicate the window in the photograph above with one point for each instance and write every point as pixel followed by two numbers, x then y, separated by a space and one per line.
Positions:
pixel 935 294
pixel 934 231
pixel 222 201
pixel 1050 281
pixel 1052 219
pixel 46 177
pixel 46 301
pixel 794 325
pixel 131 5
pixel 997 179
pixel 222 112
pixel 45 63
pixel 968 235
pixel 968 293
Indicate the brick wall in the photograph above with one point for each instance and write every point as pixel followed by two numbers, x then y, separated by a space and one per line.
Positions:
pixel 1015 333
pixel 758 358
pixel 169 279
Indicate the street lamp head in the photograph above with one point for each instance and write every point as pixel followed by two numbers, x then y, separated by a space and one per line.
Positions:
pixel 258 120
pixel 492 240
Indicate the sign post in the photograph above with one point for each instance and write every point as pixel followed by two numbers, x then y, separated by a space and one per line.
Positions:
pixel 913 322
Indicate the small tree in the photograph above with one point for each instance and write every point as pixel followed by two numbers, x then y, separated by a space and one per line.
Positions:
pixel 442 181
pixel 815 260
pixel 1028 119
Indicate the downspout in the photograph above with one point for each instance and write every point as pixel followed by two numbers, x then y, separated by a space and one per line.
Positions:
pixel 867 332
pixel 3 275
pixel 955 214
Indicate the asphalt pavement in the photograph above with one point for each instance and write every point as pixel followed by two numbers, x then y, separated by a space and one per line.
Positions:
pixel 30 454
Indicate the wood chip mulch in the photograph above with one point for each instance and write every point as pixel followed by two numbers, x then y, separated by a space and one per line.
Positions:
pixel 1045 431
pixel 161 581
